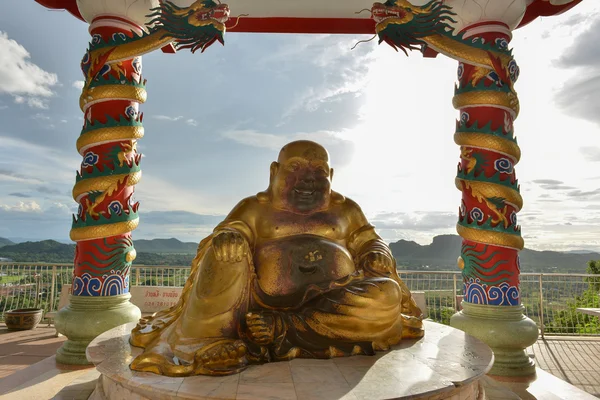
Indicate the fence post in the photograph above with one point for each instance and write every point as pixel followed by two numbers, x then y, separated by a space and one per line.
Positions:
pixel 454 303
pixel 137 277
pixel 541 306
pixel 53 282
pixel 36 286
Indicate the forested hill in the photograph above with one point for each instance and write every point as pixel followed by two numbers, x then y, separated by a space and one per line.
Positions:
pixel 441 254
pixel 149 252
pixel 5 242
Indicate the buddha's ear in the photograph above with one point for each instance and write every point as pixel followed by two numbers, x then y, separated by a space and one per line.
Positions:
pixel 274 169
pixel 331 174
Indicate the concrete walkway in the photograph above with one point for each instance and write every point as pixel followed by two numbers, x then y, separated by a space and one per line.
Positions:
pixel 20 349
pixel 575 360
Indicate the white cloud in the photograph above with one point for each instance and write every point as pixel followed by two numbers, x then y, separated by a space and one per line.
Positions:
pixel 22 206
pixel 78 84
pixel 166 118
pixel 150 191
pixel 341 70
pixel 591 153
pixel 22 79
pixel 188 121
pixel 276 142
pixel 36 102
pixel 256 139
pixel 58 167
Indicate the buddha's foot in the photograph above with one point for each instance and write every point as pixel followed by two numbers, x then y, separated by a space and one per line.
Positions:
pixel 222 358
pixel 261 328
pixel 412 328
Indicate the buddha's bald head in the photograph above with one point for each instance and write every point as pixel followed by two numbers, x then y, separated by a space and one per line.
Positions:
pixel 304 149
pixel 301 178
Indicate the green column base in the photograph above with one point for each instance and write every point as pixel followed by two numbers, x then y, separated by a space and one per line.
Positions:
pixel 506 330
pixel 87 317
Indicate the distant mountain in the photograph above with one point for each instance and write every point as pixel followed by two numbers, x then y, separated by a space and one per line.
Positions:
pixel 5 242
pixel 149 252
pixel 44 251
pixel 579 252
pixel 165 246
pixel 443 252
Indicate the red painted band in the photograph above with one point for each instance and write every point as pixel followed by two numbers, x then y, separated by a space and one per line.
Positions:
pixel 483 23
pixel 304 25
pixel 116 18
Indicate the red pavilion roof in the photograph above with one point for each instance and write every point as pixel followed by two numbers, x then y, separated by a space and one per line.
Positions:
pixel 545 8
pixel 69 5
pixel 337 24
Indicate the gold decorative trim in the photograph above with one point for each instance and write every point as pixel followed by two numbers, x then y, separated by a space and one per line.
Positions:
pixel 488 190
pixel 483 98
pixel 489 142
pixel 396 21
pixel 102 231
pixel 113 92
pixel 139 47
pixel 493 238
pixel 115 133
pixel 462 52
pixel 103 183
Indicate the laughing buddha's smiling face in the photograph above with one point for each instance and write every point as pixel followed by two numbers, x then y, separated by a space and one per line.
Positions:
pixel 301 178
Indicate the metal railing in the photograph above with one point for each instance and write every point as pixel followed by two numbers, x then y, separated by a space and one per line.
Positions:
pixel 549 299
pixel 32 285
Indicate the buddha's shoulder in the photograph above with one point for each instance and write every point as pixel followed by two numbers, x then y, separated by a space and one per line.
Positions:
pixel 249 202
pixel 352 212
pixel 344 202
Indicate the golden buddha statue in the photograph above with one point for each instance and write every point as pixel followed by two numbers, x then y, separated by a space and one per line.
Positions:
pixel 295 271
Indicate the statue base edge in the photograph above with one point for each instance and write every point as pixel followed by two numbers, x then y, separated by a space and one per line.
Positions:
pixel 461 362
pixel 85 318
pixel 506 330
pixel 107 389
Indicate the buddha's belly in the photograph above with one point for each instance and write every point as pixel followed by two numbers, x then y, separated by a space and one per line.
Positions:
pixel 286 267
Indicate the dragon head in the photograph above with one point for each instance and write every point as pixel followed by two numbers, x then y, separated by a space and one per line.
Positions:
pixel 391 10
pixel 210 11
pixel 403 25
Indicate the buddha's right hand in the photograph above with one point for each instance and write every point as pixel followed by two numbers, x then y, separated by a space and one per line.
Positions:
pixel 229 246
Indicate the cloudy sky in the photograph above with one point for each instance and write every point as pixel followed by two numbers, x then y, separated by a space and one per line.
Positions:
pixel 215 121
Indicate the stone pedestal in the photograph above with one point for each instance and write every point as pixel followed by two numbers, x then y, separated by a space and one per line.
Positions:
pixel 445 364
pixel 506 330
pixel 87 317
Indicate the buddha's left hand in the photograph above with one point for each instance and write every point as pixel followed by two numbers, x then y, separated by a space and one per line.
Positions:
pixel 379 263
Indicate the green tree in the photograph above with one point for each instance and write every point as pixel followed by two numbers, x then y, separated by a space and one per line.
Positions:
pixel 571 321
pixel 593 267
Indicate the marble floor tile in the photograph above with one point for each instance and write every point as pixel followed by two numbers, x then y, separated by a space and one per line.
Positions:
pixel 306 362
pixel 324 391
pixel 357 361
pixel 209 386
pixel 272 391
pixel 354 375
pixel 313 374
pixel 278 372
pixel 147 381
pixel 370 390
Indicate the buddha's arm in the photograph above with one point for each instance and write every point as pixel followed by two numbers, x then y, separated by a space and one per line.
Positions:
pixel 241 220
pixel 366 246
